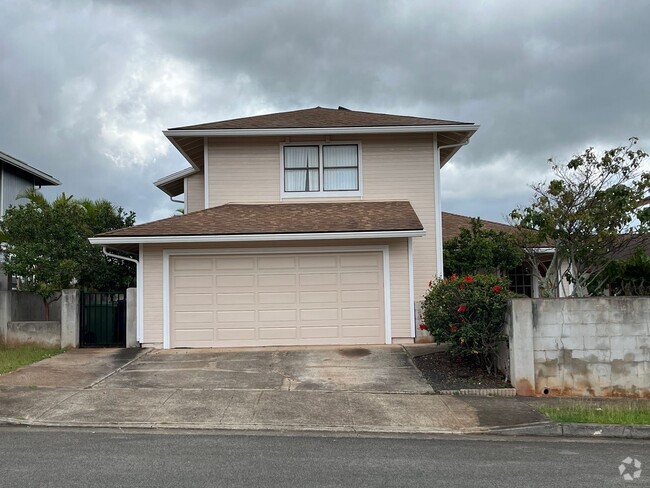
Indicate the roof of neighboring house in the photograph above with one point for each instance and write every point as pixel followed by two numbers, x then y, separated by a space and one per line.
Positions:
pixel 282 218
pixel 318 117
pixel 40 178
pixel 453 223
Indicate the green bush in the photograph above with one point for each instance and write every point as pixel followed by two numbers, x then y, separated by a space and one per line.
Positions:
pixel 468 313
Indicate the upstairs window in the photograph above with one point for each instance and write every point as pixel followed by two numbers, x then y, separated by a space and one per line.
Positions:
pixel 321 169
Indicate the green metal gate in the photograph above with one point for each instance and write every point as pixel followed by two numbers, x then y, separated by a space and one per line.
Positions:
pixel 103 319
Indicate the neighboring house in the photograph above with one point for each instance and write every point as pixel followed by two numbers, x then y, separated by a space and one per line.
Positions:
pixel 317 226
pixel 16 177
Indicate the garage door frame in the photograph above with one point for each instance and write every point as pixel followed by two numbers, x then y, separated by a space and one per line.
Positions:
pixel 167 253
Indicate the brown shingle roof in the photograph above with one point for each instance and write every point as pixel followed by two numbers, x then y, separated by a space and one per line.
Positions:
pixel 281 218
pixel 320 117
pixel 452 223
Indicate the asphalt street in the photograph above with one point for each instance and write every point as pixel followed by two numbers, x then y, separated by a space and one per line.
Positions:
pixel 85 458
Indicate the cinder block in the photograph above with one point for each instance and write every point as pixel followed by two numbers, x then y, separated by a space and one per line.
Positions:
pixel 545 343
pixel 592 342
pixel 539 357
pixel 571 343
pixel 601 369
pixel 549 329
pixel 621 346
pixel 597 355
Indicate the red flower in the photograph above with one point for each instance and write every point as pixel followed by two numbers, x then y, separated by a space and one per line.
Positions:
pixel 461 286
pixel 496 288
pixel 454 328
pixel 423 327
pixel 462 309
pixel 468 279
pixel 453 277
pixel 430 282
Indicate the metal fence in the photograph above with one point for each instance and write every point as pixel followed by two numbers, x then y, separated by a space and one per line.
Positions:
pixel 103 319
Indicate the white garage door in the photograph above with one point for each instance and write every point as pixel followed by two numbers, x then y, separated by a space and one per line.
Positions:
pixel 277 299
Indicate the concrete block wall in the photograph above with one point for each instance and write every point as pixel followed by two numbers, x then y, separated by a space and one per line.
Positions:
pixel 596 346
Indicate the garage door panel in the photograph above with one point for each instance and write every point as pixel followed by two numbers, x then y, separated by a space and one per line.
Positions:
pixel 320 314
pixel 237 334
pixel 235 281
pixel 193 282
pixel 278 298
pixel 288 315
pixel 310 298
pixel 277 280
pixel 319 297
pixel 194 264
pixel 194 317
pixel 235 298
pixel 322 332
pixel 357 330
pixel 235 263
pixel 234 316
pixel 359 296
pixel 278 333
pixel 360 278
pixel 359 313
pixel 318 262
pixel 189 299
pixel 189 335
pixel 318 279
pixel 361 261
pixel 276 262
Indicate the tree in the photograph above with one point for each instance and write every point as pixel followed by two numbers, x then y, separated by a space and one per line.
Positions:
pixel 628 277
pixel 480 250
pixel 594 207
pixel 46 245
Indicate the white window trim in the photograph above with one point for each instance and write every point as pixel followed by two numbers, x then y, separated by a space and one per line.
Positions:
pixel 322 193
pixel 167 253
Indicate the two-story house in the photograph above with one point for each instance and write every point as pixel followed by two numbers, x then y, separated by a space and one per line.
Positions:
pixel 316 226
pixel 16 177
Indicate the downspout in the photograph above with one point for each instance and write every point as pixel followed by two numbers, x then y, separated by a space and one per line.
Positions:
pixel 176 201
pixel 140 288
pixel 437 199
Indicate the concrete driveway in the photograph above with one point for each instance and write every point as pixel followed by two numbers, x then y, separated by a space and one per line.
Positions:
pixel 377 369
pixel 338 389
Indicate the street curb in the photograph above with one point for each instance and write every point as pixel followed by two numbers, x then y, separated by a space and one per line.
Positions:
pixel 538 429
pixel 551 429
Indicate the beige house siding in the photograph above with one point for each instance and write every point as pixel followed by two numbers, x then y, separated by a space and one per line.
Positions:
pixel 195 196
pixel 153 280
pixel 394 167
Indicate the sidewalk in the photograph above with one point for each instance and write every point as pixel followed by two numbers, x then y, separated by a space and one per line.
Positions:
pixel 108 388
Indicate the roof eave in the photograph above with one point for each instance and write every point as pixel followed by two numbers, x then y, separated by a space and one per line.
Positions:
pixel 302 236
pixel 40 178
pixel 320 130
pixel 164 182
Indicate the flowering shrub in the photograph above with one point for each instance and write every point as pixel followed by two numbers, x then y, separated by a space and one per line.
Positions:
pixel 468 313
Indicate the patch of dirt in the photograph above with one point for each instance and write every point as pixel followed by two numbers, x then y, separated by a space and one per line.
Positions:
pixel 444 372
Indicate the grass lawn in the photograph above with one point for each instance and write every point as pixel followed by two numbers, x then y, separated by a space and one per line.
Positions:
pixel 15 357
pixel 614 412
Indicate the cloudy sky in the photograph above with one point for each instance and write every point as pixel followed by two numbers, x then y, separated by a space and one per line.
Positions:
pixel 87 87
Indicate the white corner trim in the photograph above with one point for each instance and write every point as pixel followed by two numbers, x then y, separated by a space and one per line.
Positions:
pixel 168 253
pixel 437 204
pixel 206 178
pixel 409 244
pixel 387 305
pixel 257 237
pixel 140 284
pixel 321 130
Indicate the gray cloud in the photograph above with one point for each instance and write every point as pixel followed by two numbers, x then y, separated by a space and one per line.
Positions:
pixel 88 86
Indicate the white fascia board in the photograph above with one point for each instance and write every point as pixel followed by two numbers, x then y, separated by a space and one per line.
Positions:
pixel 256 237
pixel 319 131
pixel 179 175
